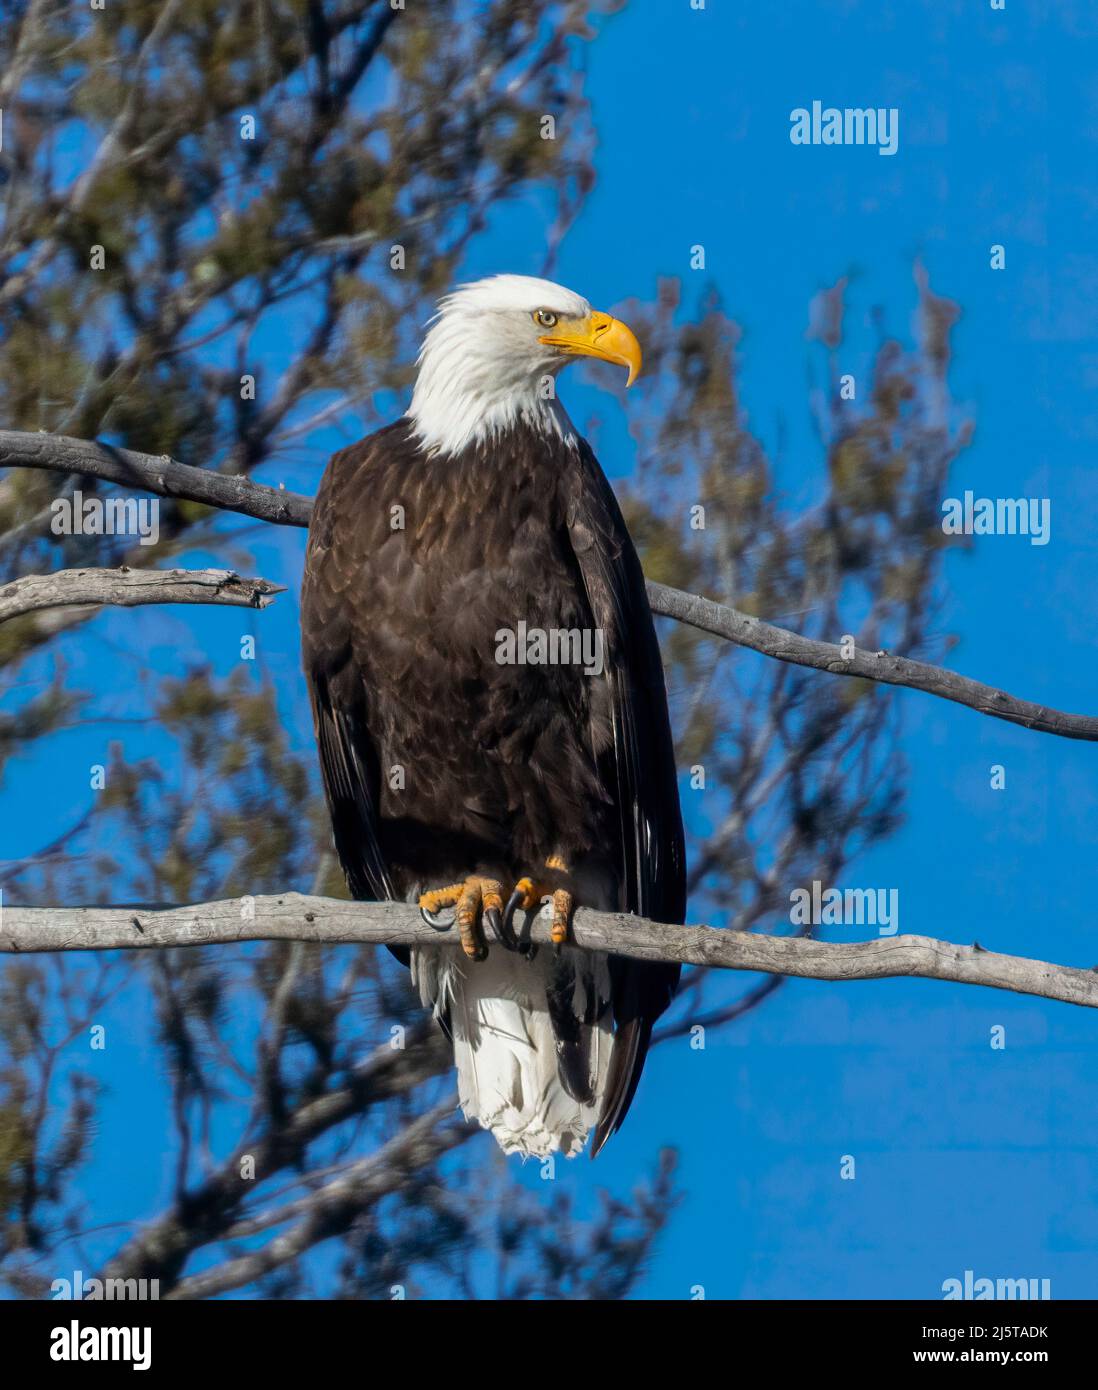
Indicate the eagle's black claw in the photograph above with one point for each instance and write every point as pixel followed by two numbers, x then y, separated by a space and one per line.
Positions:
pixel 438 923
pixel 501 928
pixel 509 911
pixel 509 937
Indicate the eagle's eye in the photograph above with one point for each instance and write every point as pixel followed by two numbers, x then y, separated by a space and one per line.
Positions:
pixel 545 317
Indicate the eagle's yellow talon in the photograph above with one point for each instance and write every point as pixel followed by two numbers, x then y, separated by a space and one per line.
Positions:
pixel 528 894
pixel 437 898
pixel 563 906
pixel 473 900
pixel 531 894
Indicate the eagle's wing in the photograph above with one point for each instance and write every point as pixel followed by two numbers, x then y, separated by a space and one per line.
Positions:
pixel 641 773
pixel 333 670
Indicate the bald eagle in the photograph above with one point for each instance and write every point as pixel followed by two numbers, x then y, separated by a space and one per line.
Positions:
pixel 490 710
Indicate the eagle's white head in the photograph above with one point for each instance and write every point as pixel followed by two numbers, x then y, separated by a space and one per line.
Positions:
pixel 491 356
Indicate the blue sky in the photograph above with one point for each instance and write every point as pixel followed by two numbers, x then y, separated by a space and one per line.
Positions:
pixel 967 1157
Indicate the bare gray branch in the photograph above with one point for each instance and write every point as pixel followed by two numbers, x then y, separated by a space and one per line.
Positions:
pixel 126 588
pixel 296 917
pixel 147 472
pixel 168 478
pixel 783 645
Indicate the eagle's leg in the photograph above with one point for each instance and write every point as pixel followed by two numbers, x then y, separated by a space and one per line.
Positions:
pixel 528 894
pixel 563 907
pixel 471 900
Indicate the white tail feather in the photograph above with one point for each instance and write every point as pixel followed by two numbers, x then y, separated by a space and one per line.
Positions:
pixel 504 1046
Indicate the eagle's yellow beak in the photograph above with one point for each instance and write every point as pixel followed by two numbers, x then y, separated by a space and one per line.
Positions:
pixel 598 335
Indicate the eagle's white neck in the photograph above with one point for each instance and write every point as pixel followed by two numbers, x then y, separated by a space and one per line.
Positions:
pixel 449 418
pixel 477 378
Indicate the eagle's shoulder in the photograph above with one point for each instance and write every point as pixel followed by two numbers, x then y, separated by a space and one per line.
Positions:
pixel 348 530
pixel 359 473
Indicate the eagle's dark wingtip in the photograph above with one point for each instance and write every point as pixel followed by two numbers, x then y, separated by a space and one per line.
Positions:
pixel 626 1064
pixel 602 1134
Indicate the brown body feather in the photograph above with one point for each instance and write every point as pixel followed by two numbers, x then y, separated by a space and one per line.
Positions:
pixel 415 563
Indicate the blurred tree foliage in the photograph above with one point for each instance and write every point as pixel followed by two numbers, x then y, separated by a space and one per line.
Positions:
pixel 228 258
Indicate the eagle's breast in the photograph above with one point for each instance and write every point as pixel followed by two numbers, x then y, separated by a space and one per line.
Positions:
pixel 467 612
